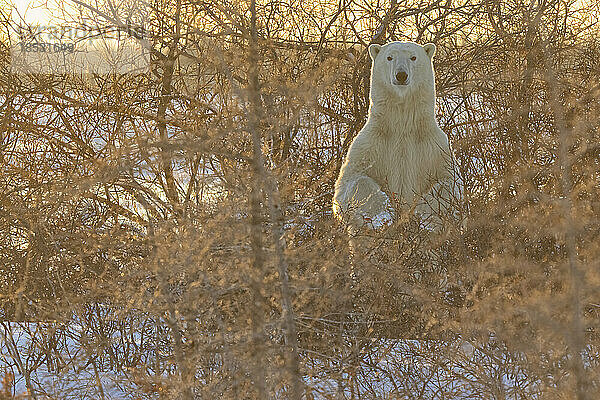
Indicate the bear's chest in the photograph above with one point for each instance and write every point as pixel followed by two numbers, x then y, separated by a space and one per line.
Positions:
pixel 405 167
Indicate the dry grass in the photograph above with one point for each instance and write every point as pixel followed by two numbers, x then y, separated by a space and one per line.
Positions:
pixel 169 235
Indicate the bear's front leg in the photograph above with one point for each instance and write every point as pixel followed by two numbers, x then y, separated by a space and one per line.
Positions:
pixel 364 203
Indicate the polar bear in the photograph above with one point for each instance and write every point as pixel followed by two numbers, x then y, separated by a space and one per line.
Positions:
pixel 401 150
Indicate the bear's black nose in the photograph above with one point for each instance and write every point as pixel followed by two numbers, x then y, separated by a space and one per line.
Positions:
pixel 401 77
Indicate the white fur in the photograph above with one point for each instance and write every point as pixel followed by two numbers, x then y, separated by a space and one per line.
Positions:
pixel 401 148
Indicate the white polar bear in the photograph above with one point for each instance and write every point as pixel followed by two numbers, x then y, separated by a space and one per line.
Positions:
pixel 401 148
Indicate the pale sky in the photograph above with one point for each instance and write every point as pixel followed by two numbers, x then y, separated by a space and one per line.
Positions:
pixel 33 11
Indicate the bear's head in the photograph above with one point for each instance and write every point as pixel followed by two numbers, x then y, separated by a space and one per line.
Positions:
pixel 402 67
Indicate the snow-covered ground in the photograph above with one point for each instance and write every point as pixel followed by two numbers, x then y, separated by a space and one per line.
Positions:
pixel 56 362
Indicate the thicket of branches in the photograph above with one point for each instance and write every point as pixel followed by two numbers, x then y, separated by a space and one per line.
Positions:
pixel 169 234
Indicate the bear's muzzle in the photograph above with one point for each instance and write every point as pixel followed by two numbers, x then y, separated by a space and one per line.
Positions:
pixel 401 78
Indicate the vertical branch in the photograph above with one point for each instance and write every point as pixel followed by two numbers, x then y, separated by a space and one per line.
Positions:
pixel 258 339
pixel 20 311
pixel 576 335
pixel 13 349
pixel 276 216
pixel 165 99
pixel 185 373
pixel 289 323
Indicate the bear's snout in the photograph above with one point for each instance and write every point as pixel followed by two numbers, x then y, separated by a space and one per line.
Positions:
pixel 401 78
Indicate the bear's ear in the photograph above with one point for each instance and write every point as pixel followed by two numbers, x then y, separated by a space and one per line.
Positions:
pixel 374 49
pixel 430 50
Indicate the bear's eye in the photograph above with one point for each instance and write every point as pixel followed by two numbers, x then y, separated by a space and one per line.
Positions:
pixel 389 58
pixel 413 58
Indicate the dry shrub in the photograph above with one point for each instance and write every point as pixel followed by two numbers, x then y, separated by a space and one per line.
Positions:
pixel 169 235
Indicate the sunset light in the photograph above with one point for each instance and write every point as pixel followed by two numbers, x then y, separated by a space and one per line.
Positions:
pixel 300 200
